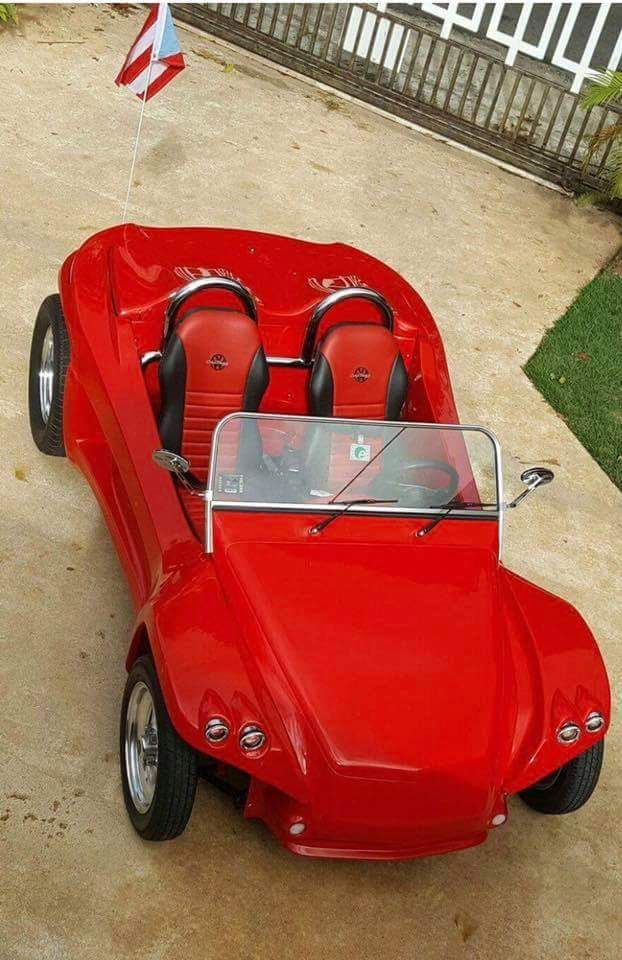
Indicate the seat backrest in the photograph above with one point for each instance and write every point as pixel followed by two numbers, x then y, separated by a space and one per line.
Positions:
pixel 358 373
pixel 213 364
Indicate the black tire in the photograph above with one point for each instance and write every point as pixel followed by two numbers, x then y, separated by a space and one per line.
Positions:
pixel 48 433
pixel 176 777
pixel 570 787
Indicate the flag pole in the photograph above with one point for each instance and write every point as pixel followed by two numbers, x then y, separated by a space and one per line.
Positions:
pixel 137 140
pixel 172 62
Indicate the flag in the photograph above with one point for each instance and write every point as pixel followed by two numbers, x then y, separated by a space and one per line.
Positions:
pixel 155 56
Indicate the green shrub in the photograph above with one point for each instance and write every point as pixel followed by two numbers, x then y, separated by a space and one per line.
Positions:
pixel 8 13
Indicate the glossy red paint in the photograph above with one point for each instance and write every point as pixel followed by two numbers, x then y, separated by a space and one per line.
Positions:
pixel 407 685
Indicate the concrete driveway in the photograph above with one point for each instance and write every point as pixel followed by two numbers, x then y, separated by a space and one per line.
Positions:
pixel 233 142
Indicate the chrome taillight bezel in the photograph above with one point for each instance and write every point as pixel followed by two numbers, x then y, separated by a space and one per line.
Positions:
pixel 568 734
pixel 252 738
pixel 594 722
pixel 217 730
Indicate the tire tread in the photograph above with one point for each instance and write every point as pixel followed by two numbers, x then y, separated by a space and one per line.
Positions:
pixel 177 767
pixel 574 786
pixel 48 437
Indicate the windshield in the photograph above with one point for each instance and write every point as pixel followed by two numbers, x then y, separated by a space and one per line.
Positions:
pixel 316 464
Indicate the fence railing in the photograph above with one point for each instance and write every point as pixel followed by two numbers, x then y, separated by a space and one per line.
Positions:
pixel 542 31
pixel 461 91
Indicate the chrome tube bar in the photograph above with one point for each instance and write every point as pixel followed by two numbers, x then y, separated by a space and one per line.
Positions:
pixel 180 297
pixel 339 296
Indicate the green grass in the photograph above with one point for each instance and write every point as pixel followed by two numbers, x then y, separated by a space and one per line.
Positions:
pixel 578 369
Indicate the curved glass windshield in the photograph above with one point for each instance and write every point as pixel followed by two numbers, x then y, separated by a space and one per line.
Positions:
pixel 309 463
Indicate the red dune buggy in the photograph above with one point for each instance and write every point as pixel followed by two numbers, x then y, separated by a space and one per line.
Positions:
pixel 324 627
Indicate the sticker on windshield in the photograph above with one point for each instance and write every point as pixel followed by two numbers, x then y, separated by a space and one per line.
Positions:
pixel 231 483
pixel 360 452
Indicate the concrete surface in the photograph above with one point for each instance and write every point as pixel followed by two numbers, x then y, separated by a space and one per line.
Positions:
pixel 498 259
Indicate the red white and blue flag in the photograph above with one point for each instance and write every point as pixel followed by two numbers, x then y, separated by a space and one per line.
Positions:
pixel 155 57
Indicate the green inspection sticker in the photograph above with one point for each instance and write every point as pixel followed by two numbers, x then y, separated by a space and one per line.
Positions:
pixel 360 452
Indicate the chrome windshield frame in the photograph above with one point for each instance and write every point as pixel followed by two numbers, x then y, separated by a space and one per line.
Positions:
pixel 375 509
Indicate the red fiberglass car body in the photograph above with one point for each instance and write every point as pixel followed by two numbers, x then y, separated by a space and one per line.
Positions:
pixel 381 683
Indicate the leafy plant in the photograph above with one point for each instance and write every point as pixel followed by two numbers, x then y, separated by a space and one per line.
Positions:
pixel 606 90
pixel 8 13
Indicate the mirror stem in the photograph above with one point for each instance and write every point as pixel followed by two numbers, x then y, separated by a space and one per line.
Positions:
pixel 192 484
pixel 518 499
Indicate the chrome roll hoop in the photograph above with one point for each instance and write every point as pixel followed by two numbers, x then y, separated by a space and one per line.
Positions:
pixel 338 296
pixel 180 297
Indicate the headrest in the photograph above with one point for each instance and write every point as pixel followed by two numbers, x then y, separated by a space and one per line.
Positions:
pixel 220 346
pixel 358 372
pixel 213 361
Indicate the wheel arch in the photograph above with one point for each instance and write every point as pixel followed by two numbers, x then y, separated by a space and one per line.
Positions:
pixel 188 631
pixel 140 645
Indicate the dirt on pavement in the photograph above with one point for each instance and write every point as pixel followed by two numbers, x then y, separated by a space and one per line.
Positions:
pixel 233 142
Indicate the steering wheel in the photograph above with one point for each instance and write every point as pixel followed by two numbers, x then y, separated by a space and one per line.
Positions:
pixel 422 495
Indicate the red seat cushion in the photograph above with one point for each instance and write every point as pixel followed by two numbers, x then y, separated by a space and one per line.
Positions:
pixel 358 373
pixel 212 365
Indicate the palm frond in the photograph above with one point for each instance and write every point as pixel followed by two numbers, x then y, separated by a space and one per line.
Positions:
pixel 605 88
pixel 611 132
pixel 615 175
pixel 591 198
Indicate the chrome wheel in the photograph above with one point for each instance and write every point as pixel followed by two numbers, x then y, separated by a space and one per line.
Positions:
pixel 46 375
pixel 141 747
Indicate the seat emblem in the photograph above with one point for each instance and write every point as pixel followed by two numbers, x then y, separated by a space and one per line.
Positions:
pixel 361 374
pixel 218 362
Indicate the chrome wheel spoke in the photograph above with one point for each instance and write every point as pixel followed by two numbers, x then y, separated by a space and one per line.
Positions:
pixel 46 375
pixel 141 747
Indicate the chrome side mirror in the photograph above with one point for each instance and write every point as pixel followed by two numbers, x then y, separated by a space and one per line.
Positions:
pixel 173 462
pixel 180 468
pixel 533 478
